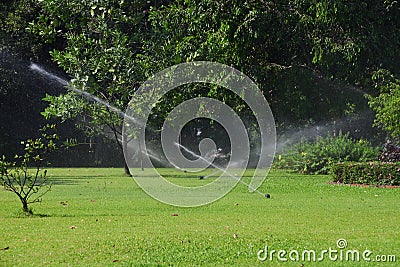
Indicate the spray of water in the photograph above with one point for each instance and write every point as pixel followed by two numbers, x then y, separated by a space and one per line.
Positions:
pixel 50 76
pixel 219 168
pixel 345 124
pixel 37 68
pixel 212 174
pixel 98 100
pixel 152 154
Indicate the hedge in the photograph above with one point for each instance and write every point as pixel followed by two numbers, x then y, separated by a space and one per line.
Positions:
pixel 371 173
pixel 315 156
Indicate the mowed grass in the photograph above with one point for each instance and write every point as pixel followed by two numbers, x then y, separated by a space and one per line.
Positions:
pixel 99 217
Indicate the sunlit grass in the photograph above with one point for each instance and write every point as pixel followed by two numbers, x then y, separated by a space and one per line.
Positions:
pixel 100 217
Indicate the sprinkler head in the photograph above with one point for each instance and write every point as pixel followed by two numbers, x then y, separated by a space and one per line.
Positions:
pixel 267 195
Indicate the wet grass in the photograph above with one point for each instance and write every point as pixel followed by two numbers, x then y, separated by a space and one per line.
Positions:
pixel 99 217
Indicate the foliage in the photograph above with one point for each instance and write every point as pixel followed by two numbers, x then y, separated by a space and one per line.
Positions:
pixel 15 16
pixel 17 176
pixel 290 48
pixel 316 156
pixel 113 46
pixel 278 41
pixel 277 34
pixel 372 173
pixel 389 153
pixel 20 93
pixel 387 103
pixel 101 41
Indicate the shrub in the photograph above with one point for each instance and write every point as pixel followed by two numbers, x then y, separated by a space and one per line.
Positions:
pixel 372 173
pixel 386 103
pixel 390 153
pixel 25 176
pixel 316 156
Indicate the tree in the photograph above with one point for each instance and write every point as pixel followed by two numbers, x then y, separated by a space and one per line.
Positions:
pixel 310 44
pixel 15 16
pixel 21 90
pixel 387 103
pixel 17 176
pixel 290 48
pixel 102 41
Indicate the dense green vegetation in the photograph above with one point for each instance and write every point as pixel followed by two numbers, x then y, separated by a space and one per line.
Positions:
pixel 110 48
pixel 317 155
pixel 386 104
pixel 304 55
pixel 367 173
pixel 100 217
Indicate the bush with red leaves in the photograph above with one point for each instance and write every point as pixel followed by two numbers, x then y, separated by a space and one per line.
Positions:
pixel 389 153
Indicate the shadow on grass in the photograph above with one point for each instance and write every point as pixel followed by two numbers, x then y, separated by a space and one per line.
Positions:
pixel 62 180
pixel 22 214
pixel 65 181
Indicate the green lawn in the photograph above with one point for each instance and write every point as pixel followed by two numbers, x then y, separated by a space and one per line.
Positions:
pixel 98 217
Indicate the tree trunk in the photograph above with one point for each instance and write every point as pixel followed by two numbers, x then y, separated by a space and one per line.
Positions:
pixel 127 172
pixel 124 147
pixel 140 155
pixel 25 206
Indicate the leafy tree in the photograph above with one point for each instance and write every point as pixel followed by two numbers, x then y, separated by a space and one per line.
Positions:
pixel 102 40
pixel 387 103
pixel 15 16
pixel 20 91
pixel 291 48
pixel 307 42
pixel 30 185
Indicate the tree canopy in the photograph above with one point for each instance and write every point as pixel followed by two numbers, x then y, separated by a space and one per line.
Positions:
pixel 304 55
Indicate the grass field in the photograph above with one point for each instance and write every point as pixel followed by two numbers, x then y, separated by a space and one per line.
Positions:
pixel 98 217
